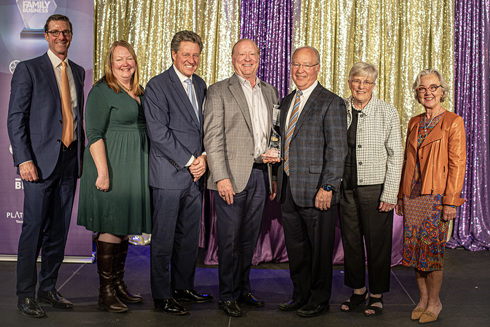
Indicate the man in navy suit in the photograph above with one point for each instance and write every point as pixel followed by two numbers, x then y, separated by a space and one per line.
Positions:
pixel 45 126
pixel 314 143
pixel 173 111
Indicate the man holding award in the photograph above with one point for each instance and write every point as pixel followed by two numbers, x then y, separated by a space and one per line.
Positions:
pixel 237 125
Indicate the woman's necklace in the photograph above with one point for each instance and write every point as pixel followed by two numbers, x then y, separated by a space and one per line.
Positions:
pixel 430 121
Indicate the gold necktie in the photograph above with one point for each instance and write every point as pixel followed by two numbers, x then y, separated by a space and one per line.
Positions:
pixel 67 134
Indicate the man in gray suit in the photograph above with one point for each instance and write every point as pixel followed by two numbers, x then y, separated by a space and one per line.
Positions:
pixel 314 143
pixel 237 125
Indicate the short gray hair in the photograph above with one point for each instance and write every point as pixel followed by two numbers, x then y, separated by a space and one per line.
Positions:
pixel 363 69
pixel 311 48
pixel 430 71
pixel 185 36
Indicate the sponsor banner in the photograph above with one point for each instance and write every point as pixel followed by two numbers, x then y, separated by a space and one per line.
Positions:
pixel 21 38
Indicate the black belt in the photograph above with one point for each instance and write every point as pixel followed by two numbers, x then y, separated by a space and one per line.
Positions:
pixel 72 146
pixel 261 166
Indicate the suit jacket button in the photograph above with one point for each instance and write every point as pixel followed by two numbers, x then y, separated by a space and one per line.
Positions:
pixel 360 163
pixel 61 122
pixel 59 141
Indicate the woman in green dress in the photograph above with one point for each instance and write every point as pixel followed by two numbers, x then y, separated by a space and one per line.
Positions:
pixel 114 191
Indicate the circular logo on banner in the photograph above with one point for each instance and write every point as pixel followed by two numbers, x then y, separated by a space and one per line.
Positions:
pixel 12 65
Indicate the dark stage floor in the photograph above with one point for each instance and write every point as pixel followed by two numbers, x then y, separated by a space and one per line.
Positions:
pixel 465 297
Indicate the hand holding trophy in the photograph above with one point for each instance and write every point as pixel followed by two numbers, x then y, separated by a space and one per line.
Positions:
pixel 273 153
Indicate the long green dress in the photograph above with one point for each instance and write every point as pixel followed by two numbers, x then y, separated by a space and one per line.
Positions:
pixel 124 209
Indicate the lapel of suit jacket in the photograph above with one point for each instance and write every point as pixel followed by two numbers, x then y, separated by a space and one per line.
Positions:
pixel 237 91
pixel 78 86
pixel 269 103
pixel 200 99
pixel 179 88
pixel 307 109
pixel 49 71
pixel 284 113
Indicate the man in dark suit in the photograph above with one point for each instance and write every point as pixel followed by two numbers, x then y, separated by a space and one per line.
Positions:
pixel 173 111
pixel 237 125
pixel 314 143
pixel 45 126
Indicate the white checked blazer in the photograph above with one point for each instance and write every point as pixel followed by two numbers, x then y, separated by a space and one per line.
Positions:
pixel 379 150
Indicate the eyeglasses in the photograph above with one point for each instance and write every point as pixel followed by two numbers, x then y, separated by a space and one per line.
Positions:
pixel 359 83
pixel 432 88
pixel 56 33
pixel 305 66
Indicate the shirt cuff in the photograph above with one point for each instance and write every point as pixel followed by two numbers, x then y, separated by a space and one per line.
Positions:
pixel 191 160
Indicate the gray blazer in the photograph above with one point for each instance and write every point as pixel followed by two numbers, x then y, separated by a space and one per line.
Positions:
pixel 318 146
pixel 228 134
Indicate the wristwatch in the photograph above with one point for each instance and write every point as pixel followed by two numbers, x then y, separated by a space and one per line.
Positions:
pixel 327 187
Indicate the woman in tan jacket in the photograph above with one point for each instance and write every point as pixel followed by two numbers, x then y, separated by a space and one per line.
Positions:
pixel 432 180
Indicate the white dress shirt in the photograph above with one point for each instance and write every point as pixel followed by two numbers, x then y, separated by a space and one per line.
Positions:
pixel 258 114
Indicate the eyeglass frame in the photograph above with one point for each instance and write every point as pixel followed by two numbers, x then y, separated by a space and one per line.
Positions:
pixel 427 88
pixel 305 66
pixel 359 82
pixel 56 33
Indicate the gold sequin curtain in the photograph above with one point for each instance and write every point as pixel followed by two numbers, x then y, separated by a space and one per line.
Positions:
pixel 149 26
pixel 400 37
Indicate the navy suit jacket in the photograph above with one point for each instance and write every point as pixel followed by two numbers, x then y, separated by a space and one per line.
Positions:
pixel 173 128
pixel 35 119
pixel 318 146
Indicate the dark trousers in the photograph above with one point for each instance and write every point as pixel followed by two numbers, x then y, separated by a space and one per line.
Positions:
pixel 174 239
pixel 238 227
pixel 360 221
pixel 310 236
pixel 48 205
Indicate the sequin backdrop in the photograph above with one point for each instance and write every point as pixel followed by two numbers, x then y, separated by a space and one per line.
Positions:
pixel 149 26
pixel 472 86
pixel 270 25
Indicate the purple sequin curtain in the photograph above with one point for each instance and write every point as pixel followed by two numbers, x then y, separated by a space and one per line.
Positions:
pixel 270 24
pixel 472 102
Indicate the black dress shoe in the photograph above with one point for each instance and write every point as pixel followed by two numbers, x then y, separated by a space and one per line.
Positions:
pixel 170 306
pixel 291 305
pixel 311 310
pixel 192 296
pixel 55 299
pixel 29 307
pixel 230 308
pixel 251 300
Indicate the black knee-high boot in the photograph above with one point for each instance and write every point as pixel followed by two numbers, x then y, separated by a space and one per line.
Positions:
pixel 108 299
pixel 121 288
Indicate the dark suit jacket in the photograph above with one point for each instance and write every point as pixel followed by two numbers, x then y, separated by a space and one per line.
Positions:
pixel 175 132
pixel 318 146
pixel 35 118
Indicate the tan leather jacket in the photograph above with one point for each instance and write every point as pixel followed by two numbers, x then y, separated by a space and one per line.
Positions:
pixel 442 158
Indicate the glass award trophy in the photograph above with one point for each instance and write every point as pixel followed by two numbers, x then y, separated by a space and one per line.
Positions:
pixel 34 14
pixel 274 148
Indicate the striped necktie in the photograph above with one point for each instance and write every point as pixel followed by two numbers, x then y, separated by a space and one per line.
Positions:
pixel 291 125
pixel 67 132
pixel 192 99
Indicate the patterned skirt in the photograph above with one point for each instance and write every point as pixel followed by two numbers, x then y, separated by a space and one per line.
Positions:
pixel 425 233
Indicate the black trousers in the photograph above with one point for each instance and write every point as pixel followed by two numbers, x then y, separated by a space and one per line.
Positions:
pixel 362 223
pixel 48 206
pixel 238 227
pixel 310 236
pixel 174 239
